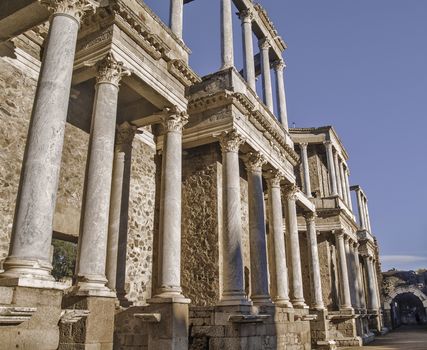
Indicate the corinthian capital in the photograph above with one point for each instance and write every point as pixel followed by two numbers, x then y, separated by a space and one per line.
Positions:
pixel 173 119
pixel 274 178
pixel 279 65
pixel 125 134
pixel 264 44
pixel 110 70
pixel 230 141
pixel 310 216
pixel 246 15
pixel 254 161
pixel 74 8
pixel 290 191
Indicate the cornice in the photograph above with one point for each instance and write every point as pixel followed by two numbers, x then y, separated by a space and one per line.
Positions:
pixel 262 14
pixel 180 70
pixel 247 108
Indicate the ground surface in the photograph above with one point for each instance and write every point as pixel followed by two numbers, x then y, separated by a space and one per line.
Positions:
pixel 405 337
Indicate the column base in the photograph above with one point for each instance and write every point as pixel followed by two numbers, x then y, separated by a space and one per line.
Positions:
pixel 259 300
pixel 283 303
pixel 27 268
pixel 236 298
pixel 92 286
pixel 299 304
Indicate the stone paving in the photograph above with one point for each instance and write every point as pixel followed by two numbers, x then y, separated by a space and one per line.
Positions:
pixel 408 338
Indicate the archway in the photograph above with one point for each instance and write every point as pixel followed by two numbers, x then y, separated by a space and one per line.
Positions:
pixel 405 305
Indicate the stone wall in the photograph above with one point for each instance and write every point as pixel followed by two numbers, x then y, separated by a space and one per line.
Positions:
pixel 16 102
pixel 201 200
pixel 140 222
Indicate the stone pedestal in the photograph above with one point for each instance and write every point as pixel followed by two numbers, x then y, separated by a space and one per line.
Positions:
pixel 171 331
pixel 92 332
pixel 41 330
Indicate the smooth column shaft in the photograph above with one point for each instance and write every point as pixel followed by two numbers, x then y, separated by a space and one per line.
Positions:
pixel 170 213
pixel 313 254
pixel 347 184
pixel 357 285
pixel 227 54
pixel 342 261
pixel 276 222
pixel 176 17
pixel 362 221
pixel 351 275
pixel 331 168
pixel 95 213
pixel 114 219
pixel 266 76
pixel 372 293
pixel 338 176
pixel 248 50
pixel 280 91
pixel 306 169
pixel 32 231
pixel 343 183
pixel 297 296
pixel 259 269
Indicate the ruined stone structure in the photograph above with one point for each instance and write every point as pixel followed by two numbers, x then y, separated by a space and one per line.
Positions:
pixel 200 220
pixel 404 297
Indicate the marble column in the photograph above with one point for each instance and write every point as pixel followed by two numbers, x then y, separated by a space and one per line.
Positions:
pixel 279 67
pixel 342 262
pixel 227 54
pixel 305 168
pixel 372 293
pixel 350 266
pixel 315 278
pixel 368 219
pixel 331 168
pixel 264 46
pixel 297 295
pixel 276 230
pixel 91 261
pixel 343 183
pixel 29 252
pixel 246 17
pixel 258 248
pixel 176 17
pixel 347 184
pixel 356 263
pixel 123 144
pixel 362 221
pixel 338 175
pixel 169 278
pixel 233 285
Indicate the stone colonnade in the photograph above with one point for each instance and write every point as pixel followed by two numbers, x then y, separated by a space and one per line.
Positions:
pixel 288 293
pixel 337 170
pixel 362 206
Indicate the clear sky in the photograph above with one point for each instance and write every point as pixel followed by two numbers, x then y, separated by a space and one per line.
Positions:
pixel 360 66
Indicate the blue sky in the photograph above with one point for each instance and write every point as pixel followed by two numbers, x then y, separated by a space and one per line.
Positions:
pixel 360 66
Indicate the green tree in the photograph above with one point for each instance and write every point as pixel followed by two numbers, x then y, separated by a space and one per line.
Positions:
pixel 64 258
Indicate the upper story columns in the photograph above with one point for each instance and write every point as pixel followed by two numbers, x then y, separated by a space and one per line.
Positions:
pixel 29 253
pixel 331 168
pixel 362 205
pixel 227 52
pixel 264 46
pixel 246 17
pixel 176 17
pixel 279 67
pixel 305 168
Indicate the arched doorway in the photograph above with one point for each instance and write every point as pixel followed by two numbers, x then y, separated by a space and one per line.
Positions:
pixel 405 305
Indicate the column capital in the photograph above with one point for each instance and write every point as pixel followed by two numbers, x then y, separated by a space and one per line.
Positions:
pixel 290 191
pixel 303 144
pixel 254 161
pixel 125 133
pixel 279 65
pixel 173 119
pixel 110 70
pixel 264 44
pixel 230 141
pixel 310 216
pixel 274 178
pixel 327 143
pixel 74 8
pixel 356 245
pixel 246 15
pixel 339 233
